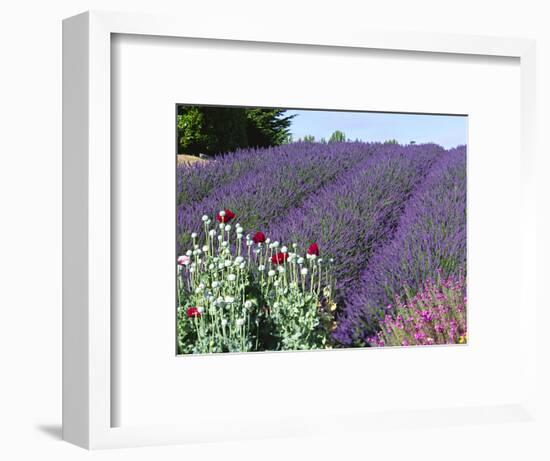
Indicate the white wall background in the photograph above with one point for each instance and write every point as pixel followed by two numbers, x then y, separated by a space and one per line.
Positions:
pixel 30 222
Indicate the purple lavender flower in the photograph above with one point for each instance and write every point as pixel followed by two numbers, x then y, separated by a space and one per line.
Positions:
pixel 430 241
pixel 355 214
pixel 264 195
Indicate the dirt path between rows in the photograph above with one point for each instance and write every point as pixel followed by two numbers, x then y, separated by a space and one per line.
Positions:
pixel 189 159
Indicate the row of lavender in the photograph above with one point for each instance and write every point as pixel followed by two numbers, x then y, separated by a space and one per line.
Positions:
pixel 429 244
pixel 261 187
pixel 354 215
pixel 389 216
pixel 195 181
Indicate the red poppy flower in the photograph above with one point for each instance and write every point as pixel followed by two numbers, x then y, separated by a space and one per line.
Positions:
pixel 259 237
pixel 193 312
pixel 313 249
pixel 228 216
pixel 279 258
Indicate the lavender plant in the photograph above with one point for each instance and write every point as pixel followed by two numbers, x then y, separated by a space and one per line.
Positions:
pixel 431 237
pixel 358 212
pixel 196 181
pixel 288 174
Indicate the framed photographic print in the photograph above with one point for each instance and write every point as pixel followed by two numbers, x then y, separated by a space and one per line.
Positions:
pixel 264 232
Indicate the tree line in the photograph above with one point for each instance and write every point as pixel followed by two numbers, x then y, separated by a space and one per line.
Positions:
pixel 215 130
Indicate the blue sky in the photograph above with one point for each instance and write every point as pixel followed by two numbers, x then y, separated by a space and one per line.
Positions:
pixel 445 130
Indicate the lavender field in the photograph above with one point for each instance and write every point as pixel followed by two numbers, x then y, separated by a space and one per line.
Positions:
pixel 313 245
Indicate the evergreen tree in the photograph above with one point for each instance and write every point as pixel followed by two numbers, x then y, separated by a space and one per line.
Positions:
pixel 215 130
pixel 211 130
pixel 267 127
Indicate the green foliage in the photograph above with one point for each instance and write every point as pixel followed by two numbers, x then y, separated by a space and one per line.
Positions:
pixel 214 130
pixel 337 136
pixel 391 141
pixel 235 298
pixel 210 130
pixel 267 127
pixel 309 138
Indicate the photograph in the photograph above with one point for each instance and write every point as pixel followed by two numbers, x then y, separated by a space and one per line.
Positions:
pixel 302 229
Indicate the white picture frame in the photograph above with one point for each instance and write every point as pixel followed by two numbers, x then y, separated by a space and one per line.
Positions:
pixel 87 182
